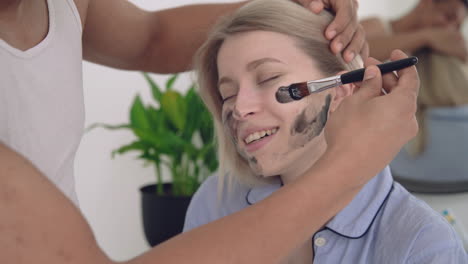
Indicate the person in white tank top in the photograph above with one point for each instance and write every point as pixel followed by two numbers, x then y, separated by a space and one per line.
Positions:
pixel 42 44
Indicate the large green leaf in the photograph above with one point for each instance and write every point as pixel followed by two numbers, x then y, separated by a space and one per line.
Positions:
pixel 194 112
pixel 155 90
pixel 206 127
pixel 171 81
pixel 164 143
pixel 138 117
pixel 174 108
pixel 136 145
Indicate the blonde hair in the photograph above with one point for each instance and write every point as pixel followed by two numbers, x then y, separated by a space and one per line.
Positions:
pixel 281 16
pixel 444 83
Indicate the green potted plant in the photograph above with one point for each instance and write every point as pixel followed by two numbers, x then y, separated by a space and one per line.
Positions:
pixel 176 132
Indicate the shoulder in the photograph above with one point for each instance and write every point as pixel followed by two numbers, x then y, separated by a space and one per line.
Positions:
pixel 418 229
pixel 206 205
pixel 82 7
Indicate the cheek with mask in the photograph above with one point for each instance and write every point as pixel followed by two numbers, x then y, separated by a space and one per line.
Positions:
pixel 309 123
pixel 230 126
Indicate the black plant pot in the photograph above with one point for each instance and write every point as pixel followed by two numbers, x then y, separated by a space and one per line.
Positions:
pixel 163 216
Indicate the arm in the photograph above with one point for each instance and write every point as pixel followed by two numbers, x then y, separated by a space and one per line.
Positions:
pixel 39 225
pixel 382 42
pixel 120 35
pixel 38 222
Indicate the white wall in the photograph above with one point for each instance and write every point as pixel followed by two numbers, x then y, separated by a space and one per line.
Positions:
pixel 108 189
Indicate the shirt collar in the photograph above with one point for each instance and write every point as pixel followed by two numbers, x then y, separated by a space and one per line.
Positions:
pixel 356 218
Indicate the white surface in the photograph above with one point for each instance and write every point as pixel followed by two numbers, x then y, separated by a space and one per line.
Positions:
pixel 108 189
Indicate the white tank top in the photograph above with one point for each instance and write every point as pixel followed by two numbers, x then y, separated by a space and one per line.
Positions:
pixel 41 97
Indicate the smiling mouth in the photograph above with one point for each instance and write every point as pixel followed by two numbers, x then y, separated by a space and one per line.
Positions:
pixel 259 135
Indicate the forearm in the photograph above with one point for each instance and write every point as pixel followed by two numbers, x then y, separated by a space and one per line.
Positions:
pixel 178 33
pixel 381 46
pixel 267 231
pixel 37 223
pixel 42 226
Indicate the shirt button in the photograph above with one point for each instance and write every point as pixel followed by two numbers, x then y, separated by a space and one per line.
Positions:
pixel 320 241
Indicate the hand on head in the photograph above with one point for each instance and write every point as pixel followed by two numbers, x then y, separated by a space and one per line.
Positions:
pixel 345 32
pixel 370 128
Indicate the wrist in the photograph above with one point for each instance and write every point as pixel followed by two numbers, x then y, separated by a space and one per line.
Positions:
pixel 340 171
pixel 332 182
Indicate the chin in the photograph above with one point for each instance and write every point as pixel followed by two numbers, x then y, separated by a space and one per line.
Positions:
pixel 265 171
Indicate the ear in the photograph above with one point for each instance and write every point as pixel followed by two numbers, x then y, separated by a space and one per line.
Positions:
pixel 340 93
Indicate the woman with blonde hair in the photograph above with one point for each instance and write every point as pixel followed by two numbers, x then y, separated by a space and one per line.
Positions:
pixel 264 145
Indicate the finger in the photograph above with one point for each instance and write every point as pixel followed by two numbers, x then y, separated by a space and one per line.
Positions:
pixel 389 80
pixel 346 14
pixel 408 79
pixel 371 85
pixel 316 6
pixel 355 45
pixel 342 40
pixel 367 62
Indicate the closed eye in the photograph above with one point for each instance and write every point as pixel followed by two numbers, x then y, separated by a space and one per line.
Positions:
pixel 227 98
pixel 269 79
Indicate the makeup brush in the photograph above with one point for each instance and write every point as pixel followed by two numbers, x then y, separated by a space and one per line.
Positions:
pixel 297 91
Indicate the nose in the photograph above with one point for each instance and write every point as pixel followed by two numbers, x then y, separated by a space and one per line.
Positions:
pixel 248 103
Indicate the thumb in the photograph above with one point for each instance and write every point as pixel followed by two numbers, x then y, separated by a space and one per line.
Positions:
pixel 372 84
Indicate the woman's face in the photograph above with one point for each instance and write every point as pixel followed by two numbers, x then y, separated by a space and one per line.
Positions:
pixel 275 139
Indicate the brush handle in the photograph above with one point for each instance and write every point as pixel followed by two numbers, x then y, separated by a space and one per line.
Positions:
pixel 358 75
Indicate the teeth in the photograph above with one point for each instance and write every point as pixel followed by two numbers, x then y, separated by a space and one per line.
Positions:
pixel 259 134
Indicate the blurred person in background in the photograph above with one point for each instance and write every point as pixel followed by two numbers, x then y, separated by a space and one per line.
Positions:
pixel 435 160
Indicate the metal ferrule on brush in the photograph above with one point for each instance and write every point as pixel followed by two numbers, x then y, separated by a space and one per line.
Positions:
pixel 315 87
pixel 324 84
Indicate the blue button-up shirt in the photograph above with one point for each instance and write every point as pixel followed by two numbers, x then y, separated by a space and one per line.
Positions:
pixel 383 224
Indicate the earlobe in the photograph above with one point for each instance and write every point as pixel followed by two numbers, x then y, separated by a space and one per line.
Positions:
pixel 340 93
pixel 344 90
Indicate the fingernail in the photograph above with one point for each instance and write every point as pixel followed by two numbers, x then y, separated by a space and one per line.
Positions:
pixel 369 74
pixel 331 34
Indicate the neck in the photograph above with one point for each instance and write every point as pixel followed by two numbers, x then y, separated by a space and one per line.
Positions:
pixel 307 161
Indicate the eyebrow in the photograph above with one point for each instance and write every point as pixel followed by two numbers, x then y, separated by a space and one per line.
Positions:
pixel 224 80
pixel 252 66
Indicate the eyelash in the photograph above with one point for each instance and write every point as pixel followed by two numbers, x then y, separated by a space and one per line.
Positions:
pixel 227 98
pixel 269 79
pixel 262 82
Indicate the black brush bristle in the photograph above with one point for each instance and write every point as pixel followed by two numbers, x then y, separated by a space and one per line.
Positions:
pixel 298 90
